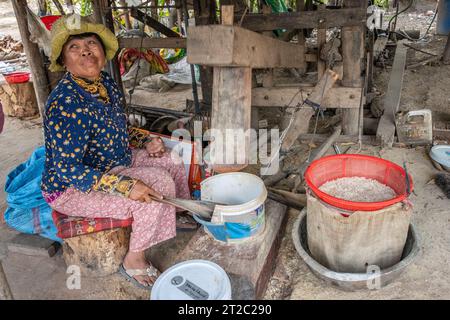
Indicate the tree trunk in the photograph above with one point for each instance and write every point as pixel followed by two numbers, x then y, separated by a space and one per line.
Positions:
pixel 97 254
pixel 19 100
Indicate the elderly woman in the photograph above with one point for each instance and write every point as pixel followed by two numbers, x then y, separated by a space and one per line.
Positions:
pixel 90 170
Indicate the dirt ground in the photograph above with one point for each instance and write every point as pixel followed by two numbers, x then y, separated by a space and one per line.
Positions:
pixel 425 86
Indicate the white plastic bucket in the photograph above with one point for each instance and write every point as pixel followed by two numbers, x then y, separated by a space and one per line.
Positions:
pixel 192 280
pixel 243 216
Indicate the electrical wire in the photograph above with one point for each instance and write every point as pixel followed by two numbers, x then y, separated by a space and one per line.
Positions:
pixel 402 33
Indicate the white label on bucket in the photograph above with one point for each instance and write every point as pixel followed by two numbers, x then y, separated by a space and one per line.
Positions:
pixel 194 291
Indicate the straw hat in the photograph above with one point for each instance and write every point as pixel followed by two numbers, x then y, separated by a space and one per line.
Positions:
pixel 72 25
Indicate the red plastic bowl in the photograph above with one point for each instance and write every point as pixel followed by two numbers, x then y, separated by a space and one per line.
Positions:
pixel 17 77
pixel 355 165
pixel 49 21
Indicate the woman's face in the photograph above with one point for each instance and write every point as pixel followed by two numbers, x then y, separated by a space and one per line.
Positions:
pixel 84 57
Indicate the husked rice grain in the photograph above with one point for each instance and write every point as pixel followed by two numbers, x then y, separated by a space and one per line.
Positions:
pixel 358 189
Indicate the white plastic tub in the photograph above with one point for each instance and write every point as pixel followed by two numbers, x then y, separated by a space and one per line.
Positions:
pixel 243 216
pixel 192 280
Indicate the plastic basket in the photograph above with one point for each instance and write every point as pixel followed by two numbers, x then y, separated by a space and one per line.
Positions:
pixel 49 21
pixel 355 165
pixel 17 77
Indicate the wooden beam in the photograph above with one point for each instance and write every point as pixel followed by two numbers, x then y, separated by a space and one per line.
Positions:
pixel 386 126
pixel 34 56
pixel 232 46
pixel 301 121
pixel 353 44
pixel 338 97
pixel 231 111
pixel 152 23
pixel 152 42
pixel 304 19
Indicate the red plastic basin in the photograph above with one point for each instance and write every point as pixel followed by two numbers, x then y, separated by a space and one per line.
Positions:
pixel 355 165
pixel 49 21
pixel 17 77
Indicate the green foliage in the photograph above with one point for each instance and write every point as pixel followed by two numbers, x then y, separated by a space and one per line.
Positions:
pixel 382 3
pixel 82 7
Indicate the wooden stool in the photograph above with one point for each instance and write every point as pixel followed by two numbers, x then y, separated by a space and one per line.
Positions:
pixel 97 254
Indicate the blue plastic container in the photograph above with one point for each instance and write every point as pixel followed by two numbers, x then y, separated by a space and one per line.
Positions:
pixel 443 18
pixel 242 216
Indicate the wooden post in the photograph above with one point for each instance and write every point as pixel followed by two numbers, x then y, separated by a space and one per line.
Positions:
pixel 205 12
pixel 34 56
pixel 352 54
pixel 231 108
pixel 321 40
pixel 123 3
pixel 301 35
pixel 114 64
pixel 97 11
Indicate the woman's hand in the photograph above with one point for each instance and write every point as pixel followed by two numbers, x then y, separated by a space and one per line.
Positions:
pixel 155 147
pixel 141 192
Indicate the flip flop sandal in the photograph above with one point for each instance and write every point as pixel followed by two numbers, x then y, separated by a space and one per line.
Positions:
pixel 129 274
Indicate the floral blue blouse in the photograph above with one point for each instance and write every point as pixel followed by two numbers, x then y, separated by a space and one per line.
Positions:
pixel 84 137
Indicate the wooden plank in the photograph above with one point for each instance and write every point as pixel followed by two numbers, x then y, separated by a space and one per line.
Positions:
pixel 338 97
pixel 152 43
pixel 301 121
pixel 34 245
pixel 386 126
pixel 304 19
pixel 249 264
pixel 227 15
pixel 232 46
pixel 152 23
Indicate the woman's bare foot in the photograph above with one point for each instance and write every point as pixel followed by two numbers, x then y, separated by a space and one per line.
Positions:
pixel 136 260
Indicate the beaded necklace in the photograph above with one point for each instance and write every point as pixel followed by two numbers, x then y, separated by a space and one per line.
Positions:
pixel 95 88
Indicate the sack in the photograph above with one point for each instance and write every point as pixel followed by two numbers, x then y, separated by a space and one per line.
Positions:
pixel 351 243
pixel 27 210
